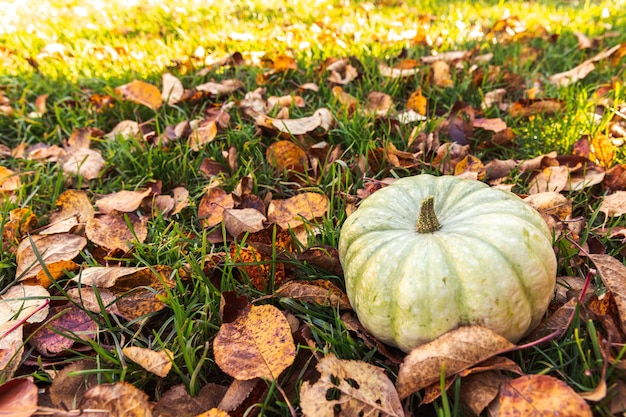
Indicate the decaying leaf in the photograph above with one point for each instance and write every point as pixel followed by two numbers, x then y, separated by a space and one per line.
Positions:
pixel 239 221
pixel 349 388
pixel 58 335
pixel 173 89
pixel 454 351
pixel 296 210
pixel 73 209
pixel 123 201
pixel 258 344
pixel 540 395
pixel 9 181
pixel 212 206
pixel 87 163
pixel 204 132
pixel 479 390
pixel 66 389
pixel 111 230
pixel 159 363
pixel 614 205
pixel 286 155
pixel 11 350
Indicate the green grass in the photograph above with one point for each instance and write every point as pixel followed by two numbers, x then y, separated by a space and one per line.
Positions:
pixel 109 44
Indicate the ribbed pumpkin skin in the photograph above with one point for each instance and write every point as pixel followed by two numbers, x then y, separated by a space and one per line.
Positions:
pixel 491 263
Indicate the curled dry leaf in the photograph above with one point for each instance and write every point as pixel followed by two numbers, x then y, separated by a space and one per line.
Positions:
pixel 349 388
pixel 540 395
pixel 454 351
pixel 258 344
pixel 319 122
pixel 18 398
pixel 52 249
pixel 479 390
pixel 120 399
pixel 237 393
pixel 141 92
pixel 86 163
pixel 123 201
pixel 24 302
pixel 296 210
pixel 111 230
pixel 158 363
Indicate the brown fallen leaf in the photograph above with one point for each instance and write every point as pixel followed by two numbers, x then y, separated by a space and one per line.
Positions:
pixel 73 209
pixel 408 69
pixel 239 221
pixel 602 150
pixel 550 179
pixel 204 132
pixel 417 102
pixel 528 107
pixel 239 393
pixel 540 395
pixel 172 90
pixel 158 363
pixel 454 351
pixel 124 201
pixel 212 206
pixel 258 344
pixel 349 388
pixel 479 390
pixel 111 230
pixel 87 163
pixel 378 103
pixel 141 92
pixel 296 210
pixel 214 412
pixel 120 399
pixel 224 87
pixel 551 203
pixel 20 222
pixel 614 205
pixel 613 274
pixel 320 292
pixel 18 398
pixel 67 389
pixel 51 249
pixel 441 74
pixel 286 155
pixel 90 299
pixel 60 333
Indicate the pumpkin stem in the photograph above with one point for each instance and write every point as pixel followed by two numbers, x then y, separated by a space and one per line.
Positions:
pixel 427 220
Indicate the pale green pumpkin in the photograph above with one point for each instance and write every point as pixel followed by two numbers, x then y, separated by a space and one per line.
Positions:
pixel 484 258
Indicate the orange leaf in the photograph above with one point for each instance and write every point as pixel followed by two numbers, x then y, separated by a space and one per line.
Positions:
pixel 417 102
pixel 285 155
pixel 18 398
pixel 141 92
pixel 258 344
pixel 540 395
pixel 119 399
pixel 294 211
pixel 158 363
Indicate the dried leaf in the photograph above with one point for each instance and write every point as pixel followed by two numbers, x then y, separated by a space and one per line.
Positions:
pixel 111 230
pixel 565 78
pixel 379 103
pixel 159 363
pixel 90 298
pixel 554 178
pixel 613 274
pixel 212 206
pixel 18 398
pixel 296 210
pixel 602 150
pixel 319 122
pixel 540 395
pixel 551 203
pixel 120 399
pixel 11 350
pixel 349 388
pixel 395 72
pixel 417 102
pixel 286 155
pixel 528 107
pixel 258 344
pixel 239 221
pixel 479 390
pixel 173 89
pixel 61 247
pixel 224 87
pixel 320 292
pixel 60 333
pixel 24 302
pixel 441 74
pixel 614 205
pixel 86 163
pixel 204 133
pixel 454 351
pixel 141 92
pixel 238 392
pixel 68 390
pixel 73 209
pixel 123 201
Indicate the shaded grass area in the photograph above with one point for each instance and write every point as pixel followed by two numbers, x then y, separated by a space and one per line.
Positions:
pixel 72 50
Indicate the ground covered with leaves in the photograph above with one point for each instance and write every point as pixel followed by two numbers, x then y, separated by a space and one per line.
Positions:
pixel 174 177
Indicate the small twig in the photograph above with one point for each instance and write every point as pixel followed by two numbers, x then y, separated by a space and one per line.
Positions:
pixel 291 409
